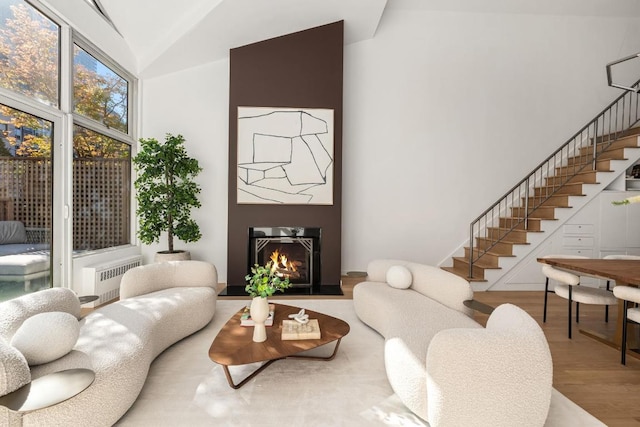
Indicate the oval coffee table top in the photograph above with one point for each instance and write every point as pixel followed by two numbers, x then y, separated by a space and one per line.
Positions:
pixel 234 343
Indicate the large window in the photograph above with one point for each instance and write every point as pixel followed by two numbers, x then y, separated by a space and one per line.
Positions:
pixel 87 171
pixel 101 163
pixel 26 202
pixel 99 93
pixel 29 52
pixel 101 183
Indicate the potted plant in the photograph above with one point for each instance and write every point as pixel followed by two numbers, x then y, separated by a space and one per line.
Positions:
pixel 166 192
pixel 261 284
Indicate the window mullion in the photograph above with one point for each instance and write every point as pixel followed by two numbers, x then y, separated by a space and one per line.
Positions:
pixel 93 125
pixel 63 172
pixel 66 69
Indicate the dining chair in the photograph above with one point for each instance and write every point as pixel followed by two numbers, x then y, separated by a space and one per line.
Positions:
pixel 616 256
pixel 569 288
pixel 628 294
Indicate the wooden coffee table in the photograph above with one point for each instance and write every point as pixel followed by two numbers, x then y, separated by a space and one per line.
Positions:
pixel 234 343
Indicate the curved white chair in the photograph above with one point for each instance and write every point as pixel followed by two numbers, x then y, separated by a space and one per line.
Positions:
pixel 570 289
pixel 616 256
pixel 630 314
pixel 559 275
pixel 631 257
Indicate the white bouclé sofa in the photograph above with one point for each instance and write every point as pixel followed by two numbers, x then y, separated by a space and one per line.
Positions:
pixel 442 364
pixel 159 305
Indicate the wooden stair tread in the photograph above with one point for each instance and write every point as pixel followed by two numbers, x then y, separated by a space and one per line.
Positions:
pixel 635 131
pixel 516 218
pixel 547 206
pixel 517 230
pixel 489 253
pixel 559 195
pixel 464 275
pixel 629 141
pixel 478 263
pixel 501 241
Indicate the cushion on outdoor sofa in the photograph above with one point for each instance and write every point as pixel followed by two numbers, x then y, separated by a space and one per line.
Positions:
pixel 12 232
pixel 23 264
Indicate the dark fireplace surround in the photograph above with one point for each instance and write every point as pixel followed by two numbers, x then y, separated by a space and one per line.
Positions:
pixel 300 70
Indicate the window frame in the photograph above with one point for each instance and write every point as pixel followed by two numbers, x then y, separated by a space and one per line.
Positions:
pixel 59 224
pixel 64 118
pixel 128 138
pixel 132 83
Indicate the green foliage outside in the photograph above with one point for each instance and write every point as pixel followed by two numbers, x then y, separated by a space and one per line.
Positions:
pixel 29 55
pixel 165 191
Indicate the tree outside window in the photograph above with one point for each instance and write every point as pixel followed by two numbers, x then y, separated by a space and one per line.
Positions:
pixel 30 65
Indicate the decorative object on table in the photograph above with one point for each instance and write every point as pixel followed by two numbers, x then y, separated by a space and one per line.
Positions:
pixel 263 282
pixel 259 313
pixel 247 320
pixel 300 317
pixel 234 346
pixel 294 330
pixel 166 192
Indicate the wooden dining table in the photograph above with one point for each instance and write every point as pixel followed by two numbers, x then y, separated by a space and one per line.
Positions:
pixel 623 271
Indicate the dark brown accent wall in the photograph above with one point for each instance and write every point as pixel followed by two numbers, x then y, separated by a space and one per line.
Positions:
pixel 302 70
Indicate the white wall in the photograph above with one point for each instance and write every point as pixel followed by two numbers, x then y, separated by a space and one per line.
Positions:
pixel 195 104
pixel 444 112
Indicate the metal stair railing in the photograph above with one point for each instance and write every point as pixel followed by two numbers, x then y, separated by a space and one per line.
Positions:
pixel 563 165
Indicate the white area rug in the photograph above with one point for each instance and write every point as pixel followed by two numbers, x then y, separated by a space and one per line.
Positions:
pixel 185 388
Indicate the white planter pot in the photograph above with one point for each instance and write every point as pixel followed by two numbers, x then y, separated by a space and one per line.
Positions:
pixel 172 256
pixel 259 311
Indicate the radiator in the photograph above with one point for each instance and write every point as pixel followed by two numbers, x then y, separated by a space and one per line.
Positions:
pixel 103 279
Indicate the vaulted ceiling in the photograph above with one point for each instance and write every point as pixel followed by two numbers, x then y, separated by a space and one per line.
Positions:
pixel 167 36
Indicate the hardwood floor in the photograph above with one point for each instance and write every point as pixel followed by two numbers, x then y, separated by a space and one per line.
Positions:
pixel 585 370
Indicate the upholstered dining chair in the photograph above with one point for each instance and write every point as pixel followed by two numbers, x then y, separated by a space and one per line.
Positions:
pixel 608 287
pixel 628 294
pixel 569 288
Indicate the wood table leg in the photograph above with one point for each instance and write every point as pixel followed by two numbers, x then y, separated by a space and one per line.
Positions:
pixel 235 386
pixel 248 378
pixel 615 341
pixel 333 355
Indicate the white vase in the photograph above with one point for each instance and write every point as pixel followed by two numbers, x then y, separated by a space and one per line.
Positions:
pixel 259 311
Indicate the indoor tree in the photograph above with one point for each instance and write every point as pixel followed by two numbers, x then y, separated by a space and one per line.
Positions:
pixel 166 191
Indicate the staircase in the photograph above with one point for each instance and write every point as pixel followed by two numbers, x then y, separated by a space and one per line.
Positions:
pixel 575 173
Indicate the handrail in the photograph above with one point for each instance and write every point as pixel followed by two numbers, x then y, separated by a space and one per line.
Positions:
pixel 610 74
pixel 559 168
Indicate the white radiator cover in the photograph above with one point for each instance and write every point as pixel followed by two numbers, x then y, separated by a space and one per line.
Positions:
pixel 103 279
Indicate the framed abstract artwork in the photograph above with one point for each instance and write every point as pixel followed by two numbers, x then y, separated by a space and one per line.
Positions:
pixel 285 156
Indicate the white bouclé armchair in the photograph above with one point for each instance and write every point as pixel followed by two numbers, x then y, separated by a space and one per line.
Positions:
pixel 442 364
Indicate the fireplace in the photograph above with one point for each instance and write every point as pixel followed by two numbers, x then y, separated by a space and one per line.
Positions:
pixel 293 251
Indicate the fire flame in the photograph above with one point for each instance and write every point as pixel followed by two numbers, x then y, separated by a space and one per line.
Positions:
pixel 281 264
